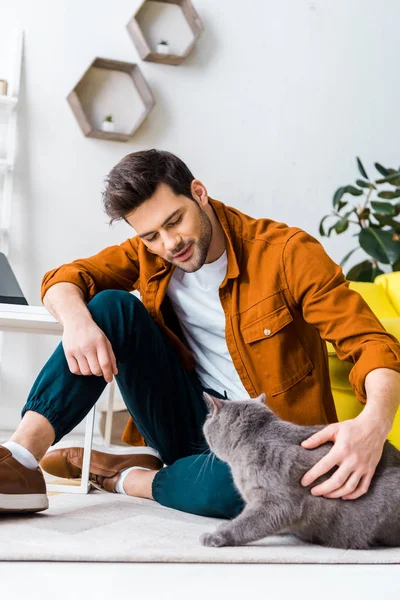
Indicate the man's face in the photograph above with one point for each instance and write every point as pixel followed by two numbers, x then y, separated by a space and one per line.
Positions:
pixel 188 226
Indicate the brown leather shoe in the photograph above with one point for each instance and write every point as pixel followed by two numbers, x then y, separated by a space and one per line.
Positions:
pixel 105 463
pixel 21 489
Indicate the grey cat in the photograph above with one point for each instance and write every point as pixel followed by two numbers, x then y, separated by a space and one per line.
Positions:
pixel 267 464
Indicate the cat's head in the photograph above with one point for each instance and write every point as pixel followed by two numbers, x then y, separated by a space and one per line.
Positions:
pixel 229 421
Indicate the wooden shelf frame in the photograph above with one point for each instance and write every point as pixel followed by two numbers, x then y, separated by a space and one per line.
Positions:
pixel 139 82
pixel 142 44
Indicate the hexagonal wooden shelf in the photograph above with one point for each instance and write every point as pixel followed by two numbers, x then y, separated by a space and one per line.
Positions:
pixel 157 20
pixel 111 87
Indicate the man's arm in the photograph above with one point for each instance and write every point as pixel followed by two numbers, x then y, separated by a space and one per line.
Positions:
pixel 65 292
pixel 65 301
pixel 358 443
pixel 115 267
pixel 319 287
pixel 383 397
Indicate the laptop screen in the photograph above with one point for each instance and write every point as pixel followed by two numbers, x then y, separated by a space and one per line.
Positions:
pixel 10 292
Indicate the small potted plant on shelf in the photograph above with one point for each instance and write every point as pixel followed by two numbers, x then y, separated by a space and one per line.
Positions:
pixel 108 124
pixel 163 47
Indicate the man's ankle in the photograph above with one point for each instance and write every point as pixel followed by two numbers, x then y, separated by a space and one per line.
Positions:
pixel 35 433
pixel 139 483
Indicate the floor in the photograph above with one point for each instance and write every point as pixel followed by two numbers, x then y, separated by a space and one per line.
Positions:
pixel 207 582
pixel 43 580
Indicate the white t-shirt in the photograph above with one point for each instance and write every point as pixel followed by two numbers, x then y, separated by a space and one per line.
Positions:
pixel 196 302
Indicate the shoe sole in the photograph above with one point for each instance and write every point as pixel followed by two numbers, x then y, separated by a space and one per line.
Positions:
pixel 23 502
pixel 116 450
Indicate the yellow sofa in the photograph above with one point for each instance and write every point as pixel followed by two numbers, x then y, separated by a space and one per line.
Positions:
pixel 383 297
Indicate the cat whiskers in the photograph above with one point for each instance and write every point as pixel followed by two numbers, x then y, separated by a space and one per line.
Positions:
pixel 199 456
pixel 209 458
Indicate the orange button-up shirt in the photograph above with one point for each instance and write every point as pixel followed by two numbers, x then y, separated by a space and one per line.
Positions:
pixel 282 296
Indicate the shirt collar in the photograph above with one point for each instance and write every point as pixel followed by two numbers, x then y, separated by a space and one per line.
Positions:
pixel 228 227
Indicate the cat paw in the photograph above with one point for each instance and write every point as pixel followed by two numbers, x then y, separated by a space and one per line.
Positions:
pixel 216 540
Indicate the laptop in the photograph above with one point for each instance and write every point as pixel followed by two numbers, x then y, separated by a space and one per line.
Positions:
pixel 10 291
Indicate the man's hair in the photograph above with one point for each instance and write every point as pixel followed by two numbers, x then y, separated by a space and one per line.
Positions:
pixel 136 177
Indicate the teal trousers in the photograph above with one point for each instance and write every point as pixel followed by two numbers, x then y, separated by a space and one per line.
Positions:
pixel 164 399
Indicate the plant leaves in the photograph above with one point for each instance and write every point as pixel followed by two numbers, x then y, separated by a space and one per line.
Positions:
pixel 393 178
pixel 361 168
pixel 364 271
pixel 341 225
pixel 331 228
pixel 338 195
pixel 364 214
pixel 389 195
pixel 382 170
pixel 379 244
pixel 365 184
pixel 321 226
pixel 350 189
pixel 347 189
pixel 396 265
pixel 361 272
pixel 387 220
pixel 345 259
pixel 383 208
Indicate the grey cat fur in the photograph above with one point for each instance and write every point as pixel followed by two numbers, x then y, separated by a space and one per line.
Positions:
pixel 267 464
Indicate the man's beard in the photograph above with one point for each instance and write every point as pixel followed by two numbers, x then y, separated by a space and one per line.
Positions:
pixel 202 245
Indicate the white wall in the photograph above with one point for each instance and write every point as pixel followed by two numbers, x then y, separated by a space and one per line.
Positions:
pixel 269 112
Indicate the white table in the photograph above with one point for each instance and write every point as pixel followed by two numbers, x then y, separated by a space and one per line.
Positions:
pixel 37 319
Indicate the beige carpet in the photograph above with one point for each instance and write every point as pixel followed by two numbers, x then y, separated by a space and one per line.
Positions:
pixel 114 528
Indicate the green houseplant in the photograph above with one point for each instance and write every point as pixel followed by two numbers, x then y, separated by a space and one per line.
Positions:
pixel 379 230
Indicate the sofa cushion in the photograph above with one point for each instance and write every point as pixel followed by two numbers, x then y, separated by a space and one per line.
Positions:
pixel 377 298
pixel 390 283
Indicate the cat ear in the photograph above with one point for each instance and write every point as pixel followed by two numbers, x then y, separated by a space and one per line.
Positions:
pixel 261 398
pixel 214 404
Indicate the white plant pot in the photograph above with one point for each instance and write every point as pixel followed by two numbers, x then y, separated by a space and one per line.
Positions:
pixel 162 49
pixel 108 126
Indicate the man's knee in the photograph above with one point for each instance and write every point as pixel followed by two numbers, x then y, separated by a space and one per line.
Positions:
pixel 117 313
pixel 114 303
pixel 109 299
pixel 199 485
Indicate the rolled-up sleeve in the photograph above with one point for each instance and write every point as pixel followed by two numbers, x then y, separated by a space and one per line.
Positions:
pixel 319 287
pixel 115 267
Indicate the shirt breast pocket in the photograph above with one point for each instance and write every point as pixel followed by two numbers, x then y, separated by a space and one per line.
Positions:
pixel 274 346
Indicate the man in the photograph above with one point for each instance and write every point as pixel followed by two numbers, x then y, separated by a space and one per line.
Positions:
pixel 229 304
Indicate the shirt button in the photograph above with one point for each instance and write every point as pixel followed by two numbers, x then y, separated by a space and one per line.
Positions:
pixel 267 332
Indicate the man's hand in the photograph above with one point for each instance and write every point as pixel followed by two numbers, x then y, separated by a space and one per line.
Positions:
pixel 87 349
pixel 357 449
